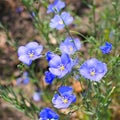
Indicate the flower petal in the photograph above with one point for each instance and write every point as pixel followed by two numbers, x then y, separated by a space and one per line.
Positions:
pixel 55 71
pixel 63 73
pixel 32 45
pixel 38 50
pixel 65 59
pixel 77 43
pixel 25 59
pixel 65 89
pixel 55 61
pixel 21 50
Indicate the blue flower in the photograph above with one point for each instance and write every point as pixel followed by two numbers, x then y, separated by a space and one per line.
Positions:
pixel 93 69
pixel 23 79
pixel 49 56
pixel 74 62
pixel 19 9
pixel 64 98
pixel 32 14
pixel 49 77
pixel 111 35
pixel 48 114
pixel 70 46
pixel 37 96
pixel 106 49
pixel 57 21
pixel 29 52
pixel 56 6
pixel 60 66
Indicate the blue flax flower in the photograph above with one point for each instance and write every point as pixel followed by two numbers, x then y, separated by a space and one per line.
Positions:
pixel 106 49
pixel 93 69
pixel 37 95
pixel 64 98
pixel 48 114
pixel 60 66
pixel 57 21
pixel 56 6
pixel 49 77
pixel 70 46
pixel 49 56
pixel 29 52
pixel 23 79
pixel 19 9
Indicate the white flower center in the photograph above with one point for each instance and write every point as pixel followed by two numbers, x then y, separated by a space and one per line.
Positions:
pixel 60 22
pixel 31 55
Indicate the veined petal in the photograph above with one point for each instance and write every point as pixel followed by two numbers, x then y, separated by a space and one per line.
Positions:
pixel 55 61
pixel 60 5
pixel 73 98
pixel 63 73
pixel 60 26
pixel 55 71
pixel 39 50
pixel 32 45
pixel 68 40
pixel 69 21
pixel 25 59
pixel 65 59
pixel 101 67
pixel 55 21
pixel 65 89
pixel 35 57
pixel 48 114
pixel 77 43
pixel 53 24
pixel 50 55
pixel 67 18
pixel 91 62
pixel 57 4
pixel 63 48
pixel 21 51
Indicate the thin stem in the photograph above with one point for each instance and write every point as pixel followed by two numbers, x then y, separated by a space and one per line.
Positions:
pixel 94 18
pixel 78 33
pixel 66 27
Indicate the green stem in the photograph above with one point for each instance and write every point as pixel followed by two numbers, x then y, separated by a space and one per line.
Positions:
pixel 94 18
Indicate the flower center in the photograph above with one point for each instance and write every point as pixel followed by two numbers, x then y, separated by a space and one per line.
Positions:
pixel 60 22
pixel 65 100
pixel 31 55
pixel 71 48
pixel 54 9
pixel 92 72
pixel 62 68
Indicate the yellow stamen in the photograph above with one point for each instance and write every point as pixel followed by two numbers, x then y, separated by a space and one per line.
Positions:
pixel 65 101
pixel 31 55
pixel 92 73
pixel 71 48
pixel 61 22
pixel 62 67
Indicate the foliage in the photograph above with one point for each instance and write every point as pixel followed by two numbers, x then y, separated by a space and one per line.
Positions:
pixel 96 69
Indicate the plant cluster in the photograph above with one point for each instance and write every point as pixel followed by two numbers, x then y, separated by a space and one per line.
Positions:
pixel 65 63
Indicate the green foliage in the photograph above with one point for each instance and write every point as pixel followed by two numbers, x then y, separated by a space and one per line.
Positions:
pixel 95 97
